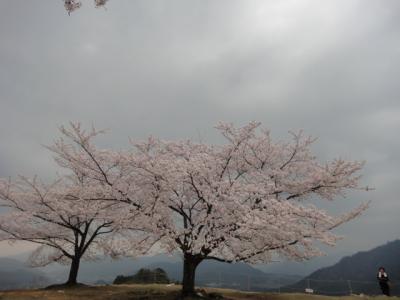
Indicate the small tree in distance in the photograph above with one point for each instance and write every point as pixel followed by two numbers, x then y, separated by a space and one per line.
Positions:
pixel 144 275
pixel 245 200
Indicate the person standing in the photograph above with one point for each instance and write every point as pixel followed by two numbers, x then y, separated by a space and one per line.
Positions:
pixel 383 280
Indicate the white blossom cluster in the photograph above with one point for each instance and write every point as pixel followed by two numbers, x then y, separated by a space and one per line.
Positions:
pixel 244 200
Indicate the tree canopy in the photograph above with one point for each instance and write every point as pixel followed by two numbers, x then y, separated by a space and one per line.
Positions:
pixel 246 199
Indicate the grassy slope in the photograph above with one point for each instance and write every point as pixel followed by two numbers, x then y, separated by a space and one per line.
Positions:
pixel 125 292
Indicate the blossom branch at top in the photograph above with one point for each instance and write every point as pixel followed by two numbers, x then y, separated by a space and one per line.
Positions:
pixel 72 5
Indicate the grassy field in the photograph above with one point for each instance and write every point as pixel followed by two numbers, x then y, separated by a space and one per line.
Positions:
pixel 132 292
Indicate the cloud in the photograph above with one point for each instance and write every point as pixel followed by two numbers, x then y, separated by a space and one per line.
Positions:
pixel 173 69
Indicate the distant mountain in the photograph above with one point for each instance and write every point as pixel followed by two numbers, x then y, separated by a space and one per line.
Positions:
pixel 356 273
pixel 15 275
pixel 104 270
pixel 238 275
pixel 93 272
pixel 304 268
pixel 209 273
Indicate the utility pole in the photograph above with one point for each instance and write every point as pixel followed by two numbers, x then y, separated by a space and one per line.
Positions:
pixel 279 285
pixel 350 288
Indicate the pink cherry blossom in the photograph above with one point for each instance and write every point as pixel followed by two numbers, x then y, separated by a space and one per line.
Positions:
pixel 247 199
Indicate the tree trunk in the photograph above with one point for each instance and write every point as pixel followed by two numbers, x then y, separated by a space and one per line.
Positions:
pixel 190 263
pixel 73 271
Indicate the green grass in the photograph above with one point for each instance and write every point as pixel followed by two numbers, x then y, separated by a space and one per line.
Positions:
pixel 157 291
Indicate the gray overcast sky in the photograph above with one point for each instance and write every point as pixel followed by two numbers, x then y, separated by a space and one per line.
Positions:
pixel 175 68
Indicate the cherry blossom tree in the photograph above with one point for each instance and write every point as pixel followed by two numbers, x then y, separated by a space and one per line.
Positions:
pixel 76 217
pixel 69 222
pixel 248 199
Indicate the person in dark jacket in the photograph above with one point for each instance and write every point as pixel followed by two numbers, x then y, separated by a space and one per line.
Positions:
pixel 383 280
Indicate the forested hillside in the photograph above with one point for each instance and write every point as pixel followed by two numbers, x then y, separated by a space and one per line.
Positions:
pixel 356 273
